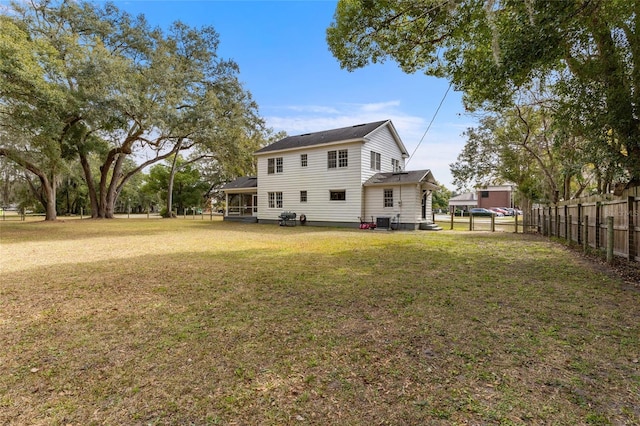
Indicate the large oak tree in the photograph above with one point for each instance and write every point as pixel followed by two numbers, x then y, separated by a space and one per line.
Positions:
pixel 122 90
pixel 586 51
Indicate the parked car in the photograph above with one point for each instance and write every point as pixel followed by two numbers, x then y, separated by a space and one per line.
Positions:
pixel 508 211
pixel 478 211
pixel 499 212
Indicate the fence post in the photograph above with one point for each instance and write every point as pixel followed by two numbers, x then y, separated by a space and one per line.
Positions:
pixel 597 225
pixel 81 212
pixel 470 221
pixel 452 215
pixel 631 229
pixel 570 231
pixel 516 217
pixel 579 236
pixel 493 223
pixel 610 235
pixel 566 222
pixel 585 239
pixel 557 222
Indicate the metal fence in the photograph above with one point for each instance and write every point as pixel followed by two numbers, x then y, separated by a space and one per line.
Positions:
pixel 607 222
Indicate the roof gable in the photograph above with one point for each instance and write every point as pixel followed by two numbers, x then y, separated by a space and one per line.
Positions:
pixel 351 133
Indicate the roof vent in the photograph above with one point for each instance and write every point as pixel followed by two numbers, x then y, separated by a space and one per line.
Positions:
pixel 360 125
pixel 305 134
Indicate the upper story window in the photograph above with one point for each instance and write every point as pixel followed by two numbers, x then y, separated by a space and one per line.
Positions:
pixel 339 158
pixel 274 165
pixel 395 165
pixel 343 159
pixel 303 196
pixel 375 161
pixel 303 160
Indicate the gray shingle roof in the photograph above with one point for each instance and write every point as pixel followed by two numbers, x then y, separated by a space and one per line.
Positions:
pixel 400 178
pixel 467 196
pixel 242 183
pixel 358 131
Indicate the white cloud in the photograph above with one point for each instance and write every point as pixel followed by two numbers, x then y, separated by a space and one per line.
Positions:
pixel 379 106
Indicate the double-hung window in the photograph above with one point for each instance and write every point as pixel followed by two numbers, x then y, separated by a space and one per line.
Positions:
pixel 339 158
pixel 343 158
pixel 375 161
pixel 395 165
pixel 303 160
pixel 303 196
pixel 388 197
pixel 274 165
pixel 275 200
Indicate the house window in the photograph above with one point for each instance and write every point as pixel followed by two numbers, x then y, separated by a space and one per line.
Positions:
pixel 332 159
pixel 303 196
pixel 338 158
pixel 303 160
pixel 388 197
pixel 395 165
pixel 375 160
pixel 343 159
pixel 275 200
pixel 484 194
pixel 274 165
pixel 338 195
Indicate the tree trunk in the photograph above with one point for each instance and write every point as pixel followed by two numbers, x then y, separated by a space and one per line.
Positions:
pixel 46 194
pixel 91 188
pixel 172 174
pixel 49 184
pixel 50 195
pixel 525 206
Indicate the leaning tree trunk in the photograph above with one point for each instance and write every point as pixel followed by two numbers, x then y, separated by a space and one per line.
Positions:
pixel 46 194
pixel 91 188
pixel 172 174
pixel 49 184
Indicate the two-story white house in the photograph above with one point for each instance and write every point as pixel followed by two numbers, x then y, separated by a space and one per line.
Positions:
pixel 337 177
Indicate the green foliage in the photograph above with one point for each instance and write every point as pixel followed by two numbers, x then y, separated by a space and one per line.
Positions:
pixel 586 53
pixel 189 189
pixel 440 198
pixel 90 83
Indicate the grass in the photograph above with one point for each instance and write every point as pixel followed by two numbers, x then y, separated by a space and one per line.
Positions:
pixel 203 322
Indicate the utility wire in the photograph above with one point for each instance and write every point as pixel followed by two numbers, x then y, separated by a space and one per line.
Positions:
pixel 429 126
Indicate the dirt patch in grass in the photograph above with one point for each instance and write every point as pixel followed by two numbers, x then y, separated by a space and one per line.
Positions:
pixel 197 322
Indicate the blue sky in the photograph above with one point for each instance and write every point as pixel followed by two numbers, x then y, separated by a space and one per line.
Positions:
pixel 285 63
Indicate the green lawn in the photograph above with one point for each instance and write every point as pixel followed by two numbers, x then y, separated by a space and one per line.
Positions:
pixel 175 322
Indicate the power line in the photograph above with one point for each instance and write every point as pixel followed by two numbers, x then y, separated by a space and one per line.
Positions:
pixel 429 126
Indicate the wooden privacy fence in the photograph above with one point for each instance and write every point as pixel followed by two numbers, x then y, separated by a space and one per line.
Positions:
pixel 605 222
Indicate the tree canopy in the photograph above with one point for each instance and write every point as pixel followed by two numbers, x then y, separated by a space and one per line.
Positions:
pixel 586 53
pixel 90 84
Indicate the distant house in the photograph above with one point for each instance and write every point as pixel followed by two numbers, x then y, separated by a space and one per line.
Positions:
pixel 496 196
pixel 464 202
pixel 484 197
pixel 336 177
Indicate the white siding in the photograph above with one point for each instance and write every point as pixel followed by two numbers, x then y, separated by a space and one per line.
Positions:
pixel 407 203
pixel 317 179
pixel 383 142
